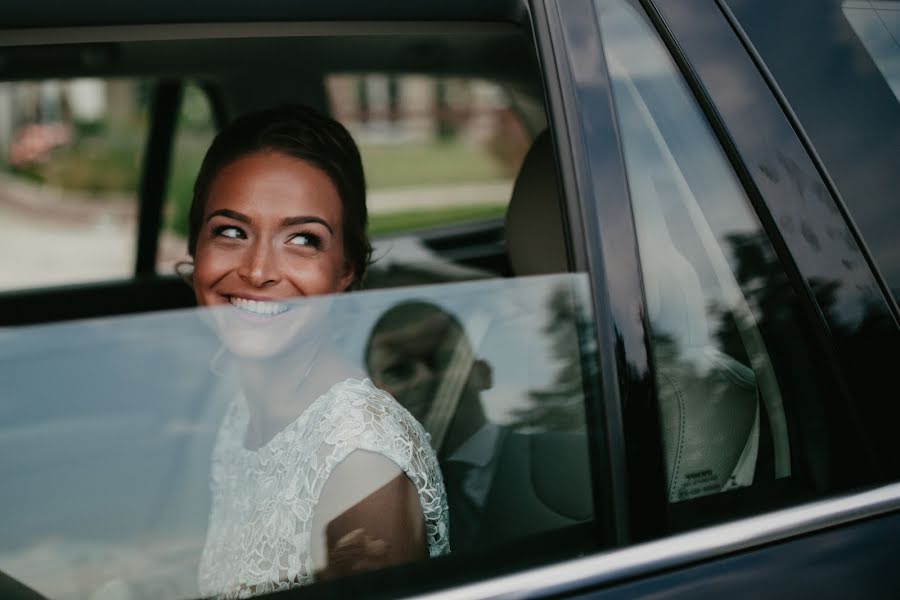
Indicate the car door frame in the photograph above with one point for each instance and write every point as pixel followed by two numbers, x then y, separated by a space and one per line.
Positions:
pixel 722 559
pixel 602 228
pixel 603 243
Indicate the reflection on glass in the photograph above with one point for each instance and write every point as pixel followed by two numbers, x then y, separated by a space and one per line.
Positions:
pixel 110 429
pixel 502 473
pixel 688 205
pixel 877 25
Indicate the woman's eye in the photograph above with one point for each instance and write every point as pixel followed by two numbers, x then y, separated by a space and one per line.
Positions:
pixel 229 231
pixel 306 239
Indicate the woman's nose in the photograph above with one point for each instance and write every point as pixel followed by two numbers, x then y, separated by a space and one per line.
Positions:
pixel 260 266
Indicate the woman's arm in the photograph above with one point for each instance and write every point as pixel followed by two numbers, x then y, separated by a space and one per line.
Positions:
pixel 368 517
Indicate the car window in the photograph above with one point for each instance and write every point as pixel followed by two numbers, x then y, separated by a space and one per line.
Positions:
pixel 119 426
pixel 194 132
pixel 489 361
pixel 877 24
pixel 839 78
pixel 70 162
pixel 734 376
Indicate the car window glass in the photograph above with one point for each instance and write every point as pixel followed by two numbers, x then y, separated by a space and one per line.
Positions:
pixel 194 132
pixel 719 305
pixel 112 485
pixel 70 162
pixel 840 79
pixel 877 24
pixel 130 413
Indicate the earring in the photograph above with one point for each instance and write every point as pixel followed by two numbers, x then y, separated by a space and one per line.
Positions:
pixel 185 270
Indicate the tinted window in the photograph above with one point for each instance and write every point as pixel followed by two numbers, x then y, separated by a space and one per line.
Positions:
pixel 835 64
pixel 741 410
pixel 70 161
pixel 877 24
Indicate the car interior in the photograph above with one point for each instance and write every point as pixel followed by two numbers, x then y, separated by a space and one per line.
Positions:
pixel 248 81
pixel 257 76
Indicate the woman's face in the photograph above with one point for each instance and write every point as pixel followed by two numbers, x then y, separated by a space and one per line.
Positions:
pixel 272 229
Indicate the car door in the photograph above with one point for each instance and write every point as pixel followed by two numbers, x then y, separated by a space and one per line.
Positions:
pixel 802 307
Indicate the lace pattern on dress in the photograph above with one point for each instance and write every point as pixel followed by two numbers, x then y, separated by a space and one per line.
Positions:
pixel 263 501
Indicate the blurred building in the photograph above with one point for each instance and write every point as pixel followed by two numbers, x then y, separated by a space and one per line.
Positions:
pixel 380 108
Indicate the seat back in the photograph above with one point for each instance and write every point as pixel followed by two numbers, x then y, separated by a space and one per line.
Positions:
pixel 535 239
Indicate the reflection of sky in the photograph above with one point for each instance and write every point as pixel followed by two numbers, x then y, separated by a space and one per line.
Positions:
pixel 674 168
pixel 695 172
pixel 853 121
pixel 106 426
pixel 879 31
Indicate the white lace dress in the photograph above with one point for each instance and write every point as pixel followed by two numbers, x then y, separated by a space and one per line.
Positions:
pixel 263 501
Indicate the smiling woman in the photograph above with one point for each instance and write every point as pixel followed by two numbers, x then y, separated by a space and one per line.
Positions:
pixel 314 474
pixel 272 230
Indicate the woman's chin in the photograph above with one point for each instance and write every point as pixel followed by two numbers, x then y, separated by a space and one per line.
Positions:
pixel 256 336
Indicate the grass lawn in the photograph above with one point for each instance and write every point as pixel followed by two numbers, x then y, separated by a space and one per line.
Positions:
pixel 407 220
pixel 111 162
pixel 428 163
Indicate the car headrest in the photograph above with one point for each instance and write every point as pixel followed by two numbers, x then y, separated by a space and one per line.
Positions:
pixel 535 240
pixel 676 306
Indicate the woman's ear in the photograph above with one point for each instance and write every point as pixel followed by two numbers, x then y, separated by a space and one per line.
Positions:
pixel 347 278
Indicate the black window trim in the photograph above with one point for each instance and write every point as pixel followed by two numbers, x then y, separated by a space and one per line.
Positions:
pixel 84 34
pixel 155 170
pixel 602 228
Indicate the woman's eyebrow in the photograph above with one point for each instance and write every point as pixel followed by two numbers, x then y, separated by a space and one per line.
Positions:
pixel 231 214
pixel 289 221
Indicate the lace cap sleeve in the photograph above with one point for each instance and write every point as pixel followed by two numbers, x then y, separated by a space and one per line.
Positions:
pixel 363 417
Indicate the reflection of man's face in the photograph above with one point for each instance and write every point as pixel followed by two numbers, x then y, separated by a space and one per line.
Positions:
pixel 410 359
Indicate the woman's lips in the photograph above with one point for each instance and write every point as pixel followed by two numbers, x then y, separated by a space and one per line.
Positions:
pixel 258 310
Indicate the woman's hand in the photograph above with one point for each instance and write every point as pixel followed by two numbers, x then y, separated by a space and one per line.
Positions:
pixel 353 553
pixel 384 528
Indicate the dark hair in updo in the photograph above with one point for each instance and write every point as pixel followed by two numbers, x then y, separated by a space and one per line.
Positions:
pixel 303 133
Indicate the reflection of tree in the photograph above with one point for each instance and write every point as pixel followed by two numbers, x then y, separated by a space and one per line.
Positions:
pixel 560 406
pixel 770 295
pixel 778 315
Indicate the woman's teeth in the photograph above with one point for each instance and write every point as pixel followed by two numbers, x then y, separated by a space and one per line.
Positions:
pixel 258 307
